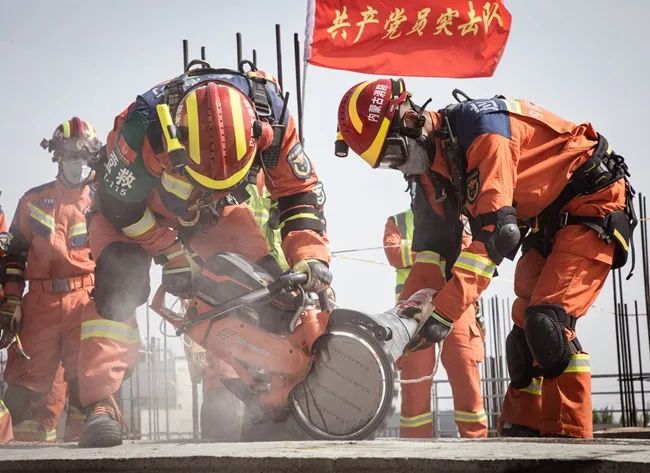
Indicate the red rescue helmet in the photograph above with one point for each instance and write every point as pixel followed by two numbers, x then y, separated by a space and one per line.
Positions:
pixel 73 137
pixel 366 113
pixel 221 133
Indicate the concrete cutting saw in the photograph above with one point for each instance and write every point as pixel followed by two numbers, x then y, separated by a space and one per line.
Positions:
pixel 329 370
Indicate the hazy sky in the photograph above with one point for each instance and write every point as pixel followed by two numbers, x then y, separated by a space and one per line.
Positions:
pixel 586 60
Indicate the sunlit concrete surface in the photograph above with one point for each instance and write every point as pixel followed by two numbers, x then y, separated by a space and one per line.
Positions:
pixel 400 456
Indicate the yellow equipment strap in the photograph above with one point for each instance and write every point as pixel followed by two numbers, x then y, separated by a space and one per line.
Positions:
pixel 118 331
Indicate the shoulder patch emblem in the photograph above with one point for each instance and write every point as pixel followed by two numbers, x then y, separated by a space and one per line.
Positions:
pixel 299 162
pixel 319 190
pixel 473 185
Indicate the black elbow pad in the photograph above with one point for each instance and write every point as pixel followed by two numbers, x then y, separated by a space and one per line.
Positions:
pixel 503 241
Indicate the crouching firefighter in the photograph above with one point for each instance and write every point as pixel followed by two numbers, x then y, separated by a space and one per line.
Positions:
pixel 176 163
pixel 512 168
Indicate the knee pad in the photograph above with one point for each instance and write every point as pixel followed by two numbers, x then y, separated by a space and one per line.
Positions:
pixel 121 281
pixel 19 400
pixel 519 359
pixel 544 329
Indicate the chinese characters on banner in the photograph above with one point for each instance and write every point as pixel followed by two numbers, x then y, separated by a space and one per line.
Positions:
pixel 431 38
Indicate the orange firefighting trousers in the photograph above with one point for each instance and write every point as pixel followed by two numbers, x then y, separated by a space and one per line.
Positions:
pixel 571 277
pixel 109 348
pixel 461 352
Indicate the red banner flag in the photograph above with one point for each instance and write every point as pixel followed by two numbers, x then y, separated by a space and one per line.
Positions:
pixel 432 38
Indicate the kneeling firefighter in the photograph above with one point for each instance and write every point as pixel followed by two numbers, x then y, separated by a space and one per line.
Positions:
pixel 522 175
pixel 176 163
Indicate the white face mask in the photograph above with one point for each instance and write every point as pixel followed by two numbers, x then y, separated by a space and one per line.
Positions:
pixel 75 171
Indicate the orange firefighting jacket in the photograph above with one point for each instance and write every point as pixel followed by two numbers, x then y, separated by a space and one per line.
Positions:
pixel 49 236
pixel 141 196
pixel 517 154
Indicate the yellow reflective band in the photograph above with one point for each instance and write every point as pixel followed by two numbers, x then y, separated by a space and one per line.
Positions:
pixel 109 329
pixel 193 127
pixel 431 257
pixel 579 363
pixel 15 272
pixel 45 435
pixel 371 155
pixel 416 421
pixel 66 129
pixel 405 252
pixel 41 216
pixel 238 123
pixel 77 229
pixel 142 226
pixel 223 184
pixel 297 216
pixel 180 188
pixel 535 387
pixel 3 409
pixel 26 427
pixel 185 269
pixel 165 117
pixel 469 416
pixel 352 107
pixel 475 264
pixel 620 239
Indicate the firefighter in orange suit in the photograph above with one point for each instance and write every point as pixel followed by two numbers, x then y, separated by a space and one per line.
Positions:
pixel 515 170
pixel 463 350
pixel 177 160
pixel 49 248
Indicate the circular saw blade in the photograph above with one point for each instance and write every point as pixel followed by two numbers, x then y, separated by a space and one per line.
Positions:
pixel 350 389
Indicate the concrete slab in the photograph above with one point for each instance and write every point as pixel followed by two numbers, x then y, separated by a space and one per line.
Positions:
pixel 384 455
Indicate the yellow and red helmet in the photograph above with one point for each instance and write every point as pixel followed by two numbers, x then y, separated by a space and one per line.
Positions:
pixel 366 113
pixel 73 137
pixel 221 133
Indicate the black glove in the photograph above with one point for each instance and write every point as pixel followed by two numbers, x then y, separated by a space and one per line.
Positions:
pixel 176 271
pixel 319 275
pixel 436 328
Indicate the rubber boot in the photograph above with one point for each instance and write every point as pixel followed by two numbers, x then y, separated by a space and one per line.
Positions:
pixel 221 416
pixel 103 426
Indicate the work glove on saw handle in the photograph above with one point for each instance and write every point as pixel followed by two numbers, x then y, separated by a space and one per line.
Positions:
pixel 318 274
pixel 11 314
pixel 176 270
pixel 432 327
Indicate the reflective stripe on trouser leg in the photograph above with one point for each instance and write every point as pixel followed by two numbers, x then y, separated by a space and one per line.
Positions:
pixel 415 416
pixel 566 401
pixel 108 349
pixel 522 406
pixel 6 432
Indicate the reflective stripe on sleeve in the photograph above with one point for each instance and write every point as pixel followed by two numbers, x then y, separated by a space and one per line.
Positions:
pixel 109 329
pixel 416 421
pixel 476 264
pixel 470 416
pixel 19 273
pixel 431 257
pixel 535 387
pixel 77 229
pixel 142 226
pixel 579 363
